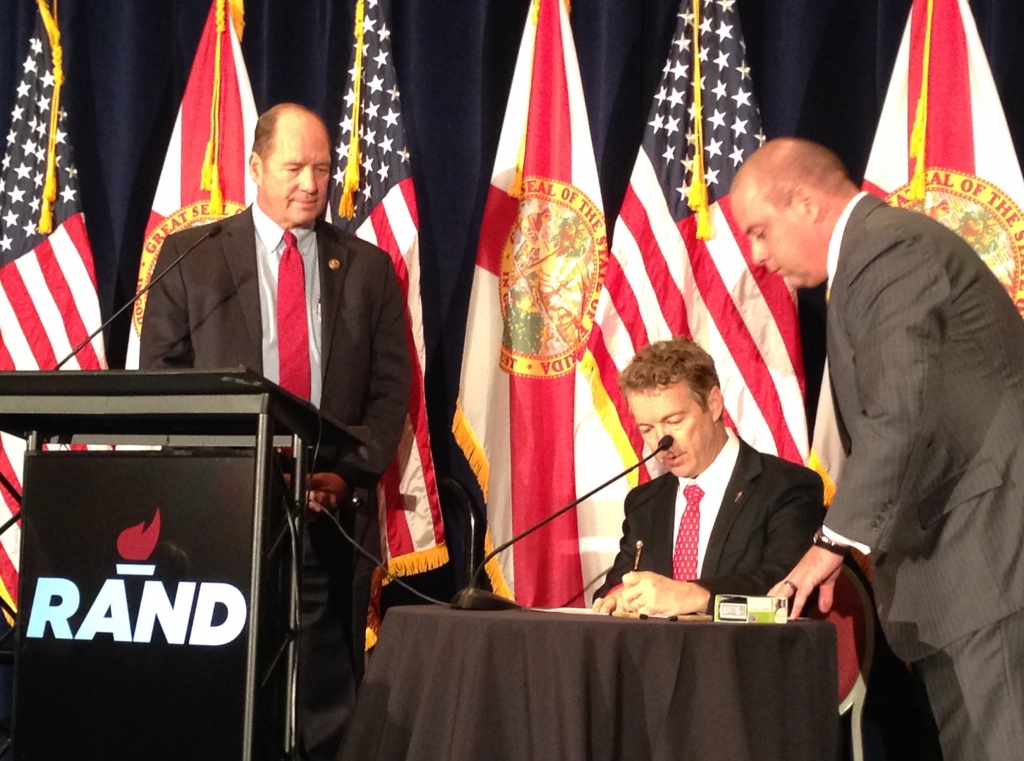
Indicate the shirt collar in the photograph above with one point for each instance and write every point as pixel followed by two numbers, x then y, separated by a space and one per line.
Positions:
pixel 272 233
pixel 836 241
pixel 720 470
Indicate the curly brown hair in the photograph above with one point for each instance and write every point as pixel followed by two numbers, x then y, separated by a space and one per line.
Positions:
pixel 665 363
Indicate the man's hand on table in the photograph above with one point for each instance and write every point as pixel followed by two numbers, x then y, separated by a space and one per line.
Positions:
pixel 652 594
pixel 817 568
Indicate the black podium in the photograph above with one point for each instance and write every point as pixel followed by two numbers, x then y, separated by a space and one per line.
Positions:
pixel 158 595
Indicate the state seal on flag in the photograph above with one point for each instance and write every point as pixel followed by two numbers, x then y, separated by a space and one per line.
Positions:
pixel 980 213
pixel 193 215
pixel 551 273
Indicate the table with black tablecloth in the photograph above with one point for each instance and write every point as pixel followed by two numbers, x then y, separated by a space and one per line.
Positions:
pixel 520 685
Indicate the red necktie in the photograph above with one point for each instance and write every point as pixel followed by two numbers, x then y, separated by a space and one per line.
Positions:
pixel 292 330
pixel 684 559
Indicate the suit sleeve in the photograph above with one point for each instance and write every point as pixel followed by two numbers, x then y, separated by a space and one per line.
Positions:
pixel 387 401
pixel 792 518
pixel 166 340
pixel 894 314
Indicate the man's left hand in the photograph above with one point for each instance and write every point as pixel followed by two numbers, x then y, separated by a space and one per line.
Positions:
pixel 817 568
pixel 655 595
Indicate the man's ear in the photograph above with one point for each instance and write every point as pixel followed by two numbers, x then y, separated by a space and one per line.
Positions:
pixel 716 403
pixel 805 201
pixel 255 167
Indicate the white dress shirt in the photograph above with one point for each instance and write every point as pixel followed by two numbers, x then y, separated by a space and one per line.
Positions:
pixel 834 244
pixel 713 482
pixel 269 250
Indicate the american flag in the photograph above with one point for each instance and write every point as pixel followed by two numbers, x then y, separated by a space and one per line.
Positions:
pixel 663 280
pixel 48 301
pixel 385 215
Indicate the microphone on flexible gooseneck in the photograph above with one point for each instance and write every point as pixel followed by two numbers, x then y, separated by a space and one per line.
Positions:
pixel 474 598
pixel 213 232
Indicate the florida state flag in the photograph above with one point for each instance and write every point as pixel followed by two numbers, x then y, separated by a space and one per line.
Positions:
pixel 539 269
pixel 942 145
pixel 205 175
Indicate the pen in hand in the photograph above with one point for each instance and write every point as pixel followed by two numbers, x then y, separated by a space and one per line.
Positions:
pixel 636 554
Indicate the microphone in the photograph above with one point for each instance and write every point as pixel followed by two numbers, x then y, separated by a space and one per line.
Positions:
pixel 473 598
pixel 213 232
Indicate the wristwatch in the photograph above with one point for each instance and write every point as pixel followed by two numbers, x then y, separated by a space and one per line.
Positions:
pixel 820 540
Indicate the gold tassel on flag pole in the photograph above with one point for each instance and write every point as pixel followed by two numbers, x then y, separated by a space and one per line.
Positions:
pixel 210 176
pixel 918 136
pixel 347 206
pixel 697 195
pixel 45 226
pixel 237 8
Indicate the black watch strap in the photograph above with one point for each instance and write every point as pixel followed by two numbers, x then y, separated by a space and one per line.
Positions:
pixel 820 540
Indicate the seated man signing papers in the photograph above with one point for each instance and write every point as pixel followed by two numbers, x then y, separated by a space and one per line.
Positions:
pixel 724 519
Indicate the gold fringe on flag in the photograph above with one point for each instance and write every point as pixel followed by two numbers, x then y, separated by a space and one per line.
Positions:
pixel 45 226
pixel 417 562
pixel 210 176
pixel 347 206
pixel 472 448
pixel 697 195
pixel 493 570
pixel 918 136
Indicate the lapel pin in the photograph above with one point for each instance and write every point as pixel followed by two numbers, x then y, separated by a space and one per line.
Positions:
pixel 334 264
pixel 738 495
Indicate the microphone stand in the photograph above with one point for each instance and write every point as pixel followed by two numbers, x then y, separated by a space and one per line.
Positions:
pixel 474 598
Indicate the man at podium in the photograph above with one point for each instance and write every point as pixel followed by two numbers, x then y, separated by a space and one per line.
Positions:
pixel 724 519
pixel 319 312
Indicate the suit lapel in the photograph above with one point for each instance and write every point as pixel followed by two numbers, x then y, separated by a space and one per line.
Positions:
pixel 238 244
pixel 334 259
pixel 748 467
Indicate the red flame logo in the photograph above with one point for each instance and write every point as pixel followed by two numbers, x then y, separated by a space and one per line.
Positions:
pixel 137 542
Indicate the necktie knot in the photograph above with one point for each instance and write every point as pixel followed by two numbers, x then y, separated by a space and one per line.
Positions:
pixel 289 240
pixel 693 494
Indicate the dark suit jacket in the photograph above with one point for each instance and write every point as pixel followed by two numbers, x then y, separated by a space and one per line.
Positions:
pixel 927 364
pixel 206 314
pixel 768 516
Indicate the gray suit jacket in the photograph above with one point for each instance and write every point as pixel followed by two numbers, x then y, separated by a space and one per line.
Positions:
pixel 926 353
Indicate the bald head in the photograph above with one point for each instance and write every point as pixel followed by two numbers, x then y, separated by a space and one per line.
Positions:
pixel 266 125
pixel 783 164
pixel 787 198
pixel 290 164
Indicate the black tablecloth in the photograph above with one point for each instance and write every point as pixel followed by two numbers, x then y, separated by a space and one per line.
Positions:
pixel 519 685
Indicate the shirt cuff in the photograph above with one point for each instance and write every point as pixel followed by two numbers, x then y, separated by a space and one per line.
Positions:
pixel 862 548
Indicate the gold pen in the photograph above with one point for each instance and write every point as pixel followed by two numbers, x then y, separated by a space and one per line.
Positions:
pixel 636 554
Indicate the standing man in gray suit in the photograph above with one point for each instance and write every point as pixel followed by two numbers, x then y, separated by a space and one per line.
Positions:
pixel 926 353
pixel 319 312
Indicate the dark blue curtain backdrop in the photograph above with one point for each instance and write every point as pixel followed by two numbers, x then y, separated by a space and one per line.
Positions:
pixel 820 68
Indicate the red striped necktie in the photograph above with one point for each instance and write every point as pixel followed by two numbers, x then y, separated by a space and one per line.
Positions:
pixel 292 328
pixel 684 559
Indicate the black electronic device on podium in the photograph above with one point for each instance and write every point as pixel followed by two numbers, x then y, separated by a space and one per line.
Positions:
pixel 159 588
